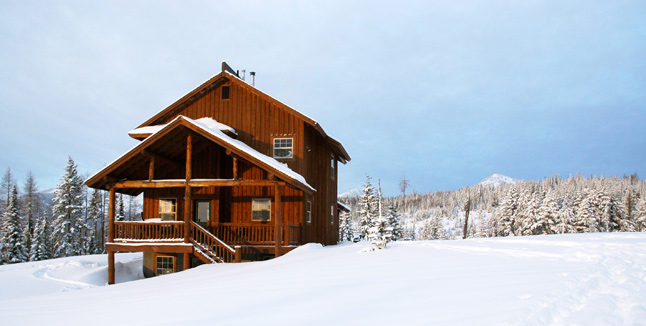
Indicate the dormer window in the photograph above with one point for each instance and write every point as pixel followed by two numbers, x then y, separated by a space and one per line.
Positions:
pixel 283 148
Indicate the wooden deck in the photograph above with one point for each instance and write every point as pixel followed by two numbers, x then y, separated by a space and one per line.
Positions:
pixel 222 242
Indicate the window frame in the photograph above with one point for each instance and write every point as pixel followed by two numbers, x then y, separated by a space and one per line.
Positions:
pixel 332 214
pixel 308 211
pixel 274 148
pixel 225 92
pixel 196 203
pixel 267 201
pixel 332 167
pixel 159 210
pixel 173 262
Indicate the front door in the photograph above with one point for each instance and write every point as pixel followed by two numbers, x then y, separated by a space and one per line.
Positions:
pixel 202 212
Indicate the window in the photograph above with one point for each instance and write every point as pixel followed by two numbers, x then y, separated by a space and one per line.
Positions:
pixel 261 209
pixel 225 92
pixel 202 211
pixel 283 148
pixel 165 265
pixel 332 166
pixel 332 214
pixel 309 212
pixel 168 209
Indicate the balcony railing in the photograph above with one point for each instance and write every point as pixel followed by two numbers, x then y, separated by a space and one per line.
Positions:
pixel 254 234
pixel 243 234
pixel 157 231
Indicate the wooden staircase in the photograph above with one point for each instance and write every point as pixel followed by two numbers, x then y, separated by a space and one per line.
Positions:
pixel 210 249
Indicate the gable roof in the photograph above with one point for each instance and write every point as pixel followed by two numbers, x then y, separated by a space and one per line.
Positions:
pixel 225 76
pixel 210 130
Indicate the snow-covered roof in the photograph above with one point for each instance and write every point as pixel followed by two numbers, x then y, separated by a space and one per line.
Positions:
pixel 343 206
pixel 214 128
pixel 212 124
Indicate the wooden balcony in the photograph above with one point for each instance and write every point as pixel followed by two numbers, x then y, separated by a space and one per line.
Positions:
pixel 157 231
pixel 232 234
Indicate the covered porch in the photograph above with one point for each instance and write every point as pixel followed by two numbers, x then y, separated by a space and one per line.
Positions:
pixel 229 175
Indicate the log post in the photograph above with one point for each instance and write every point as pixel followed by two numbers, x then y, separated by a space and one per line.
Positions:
pixel 235 168
pixel 111 278
pixel 151 169
pixel 187 189
pixel 187 261
pixel 111 216
pixel 189 157
pixel 278 227
pixel 111 210
pixel 238 253
pixel 187 214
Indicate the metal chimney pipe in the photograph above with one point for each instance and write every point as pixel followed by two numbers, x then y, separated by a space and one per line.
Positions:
pixel 243 71
pixel 253 78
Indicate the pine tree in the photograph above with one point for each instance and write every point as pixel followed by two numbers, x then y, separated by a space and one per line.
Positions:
pixel 40 245
pixel 67 213
pixel 93 223
pixel 367 209
pixel 394 220
pixel 30 203
pixel 586 214
pixel 5 189
pixel 640 218
pixel 566 218
pixel 12 239
pixel 506 217
pixel 547 215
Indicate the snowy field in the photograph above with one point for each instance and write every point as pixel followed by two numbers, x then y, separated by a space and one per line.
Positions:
pixel 579 279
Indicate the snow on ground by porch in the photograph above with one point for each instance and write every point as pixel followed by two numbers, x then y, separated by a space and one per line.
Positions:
pixel 581 279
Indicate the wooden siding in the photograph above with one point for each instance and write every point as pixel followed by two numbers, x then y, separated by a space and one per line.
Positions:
pixel 258 119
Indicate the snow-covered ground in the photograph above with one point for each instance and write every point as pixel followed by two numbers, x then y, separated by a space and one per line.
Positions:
pixel 578 279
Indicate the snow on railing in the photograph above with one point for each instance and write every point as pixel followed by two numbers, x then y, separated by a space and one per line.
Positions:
pixel 157 231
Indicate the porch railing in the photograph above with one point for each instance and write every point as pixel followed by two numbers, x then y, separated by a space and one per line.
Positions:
pixel 254 234
pixel 231 234
pixel 158 231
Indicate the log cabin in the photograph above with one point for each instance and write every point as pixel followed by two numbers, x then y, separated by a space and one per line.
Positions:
pixel 228 174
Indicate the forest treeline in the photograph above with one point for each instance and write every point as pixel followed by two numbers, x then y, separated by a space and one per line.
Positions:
pixel 37 225
pixel 550 206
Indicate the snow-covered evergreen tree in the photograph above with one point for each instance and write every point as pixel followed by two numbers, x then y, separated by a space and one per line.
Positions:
pixel 40 245
pixel 565 221
pixel 92 224
pixel 67 213
pixel 12 238
pixel 368 209
pixel 586 219
pixel 394 221
pixel 5 189
pixel 530 224
pixel 506 215
pixel 30 204
pixel 547 215
pixel 640 217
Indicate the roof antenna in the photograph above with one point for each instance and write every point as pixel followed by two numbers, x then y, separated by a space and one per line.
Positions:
pixel 253 78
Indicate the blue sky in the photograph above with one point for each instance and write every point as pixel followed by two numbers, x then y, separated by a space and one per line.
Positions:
pixel 448 92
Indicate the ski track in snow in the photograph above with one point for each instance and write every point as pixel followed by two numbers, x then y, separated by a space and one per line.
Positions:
pixel 46 270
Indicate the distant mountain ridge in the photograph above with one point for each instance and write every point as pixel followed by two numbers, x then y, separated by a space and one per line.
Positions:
pixel 354 193
pixel 497 180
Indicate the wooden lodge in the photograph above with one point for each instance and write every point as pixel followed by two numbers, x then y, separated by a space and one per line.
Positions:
pixel 228 174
